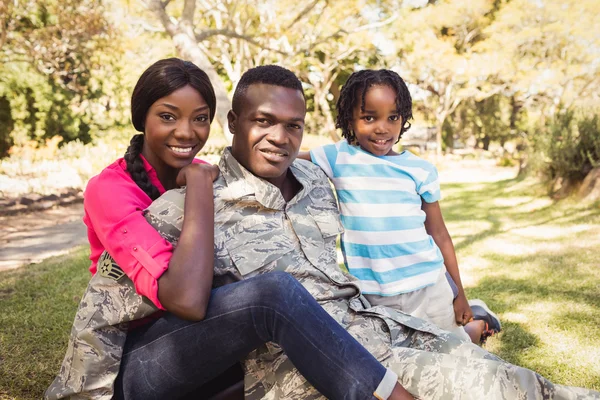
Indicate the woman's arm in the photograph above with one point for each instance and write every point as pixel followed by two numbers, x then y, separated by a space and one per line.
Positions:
pixel 435 226
pixel 184 288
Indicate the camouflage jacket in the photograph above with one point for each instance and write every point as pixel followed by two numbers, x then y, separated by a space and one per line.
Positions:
pixel 256 231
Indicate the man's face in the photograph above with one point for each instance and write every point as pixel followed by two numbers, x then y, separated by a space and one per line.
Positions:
pixel 268 130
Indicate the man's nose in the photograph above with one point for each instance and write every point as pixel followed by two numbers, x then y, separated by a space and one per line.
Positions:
pixel 277 134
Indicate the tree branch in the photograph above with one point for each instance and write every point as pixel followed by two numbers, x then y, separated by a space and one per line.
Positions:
pixel 205 34
pixel 159 9
pixel 302 13
pixel 187 17
pixel 376 24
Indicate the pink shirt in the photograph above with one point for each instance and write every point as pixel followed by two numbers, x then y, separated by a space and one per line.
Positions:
pixel 113 205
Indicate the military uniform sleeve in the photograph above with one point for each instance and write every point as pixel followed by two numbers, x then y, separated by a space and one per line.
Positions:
pixel 114 206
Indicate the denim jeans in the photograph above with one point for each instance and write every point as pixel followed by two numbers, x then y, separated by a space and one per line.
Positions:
pixel 170 357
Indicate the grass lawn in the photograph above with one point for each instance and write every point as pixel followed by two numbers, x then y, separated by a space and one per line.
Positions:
pixel 535 262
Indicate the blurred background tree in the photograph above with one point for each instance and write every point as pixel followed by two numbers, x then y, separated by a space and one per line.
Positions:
pixel 486 75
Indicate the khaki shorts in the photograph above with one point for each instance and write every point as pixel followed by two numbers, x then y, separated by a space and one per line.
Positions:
pixel 433 303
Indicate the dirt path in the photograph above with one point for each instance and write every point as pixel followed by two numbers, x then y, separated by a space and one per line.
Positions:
pixel 32 237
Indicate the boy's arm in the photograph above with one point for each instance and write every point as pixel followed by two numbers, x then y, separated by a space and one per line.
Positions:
pixel 305 155
pixel 435 226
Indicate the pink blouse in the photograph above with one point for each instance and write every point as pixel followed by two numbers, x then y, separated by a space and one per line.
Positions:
pixel 113 205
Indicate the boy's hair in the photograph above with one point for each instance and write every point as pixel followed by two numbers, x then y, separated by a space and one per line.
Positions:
pixel 267 74
pixel 357 85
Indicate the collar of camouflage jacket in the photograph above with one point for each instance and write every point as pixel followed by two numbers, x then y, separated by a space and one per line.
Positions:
pixel 241 182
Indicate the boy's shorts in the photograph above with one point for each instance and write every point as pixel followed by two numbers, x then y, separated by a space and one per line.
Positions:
pixel 433 303
pixel 452 285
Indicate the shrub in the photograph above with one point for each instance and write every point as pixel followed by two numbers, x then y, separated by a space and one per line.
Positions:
pixel 570 146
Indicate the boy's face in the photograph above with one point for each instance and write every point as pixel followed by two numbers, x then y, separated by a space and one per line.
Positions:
pixel 377 127
pixel 268 130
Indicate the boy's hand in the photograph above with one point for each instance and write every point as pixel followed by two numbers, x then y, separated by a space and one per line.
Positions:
pixel 462 310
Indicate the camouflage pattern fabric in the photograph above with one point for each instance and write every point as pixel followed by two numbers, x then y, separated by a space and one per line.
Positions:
pixel 256 232
pixel 95 347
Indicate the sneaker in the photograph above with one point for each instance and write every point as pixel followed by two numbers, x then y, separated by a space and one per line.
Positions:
pixel 483 313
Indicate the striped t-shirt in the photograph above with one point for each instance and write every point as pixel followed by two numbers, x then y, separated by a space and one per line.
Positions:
pixel 385 244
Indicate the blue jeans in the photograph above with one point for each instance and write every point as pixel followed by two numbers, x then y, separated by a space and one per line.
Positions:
pixel 171 357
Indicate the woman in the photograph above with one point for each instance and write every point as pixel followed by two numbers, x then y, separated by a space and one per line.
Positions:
pixel 194 332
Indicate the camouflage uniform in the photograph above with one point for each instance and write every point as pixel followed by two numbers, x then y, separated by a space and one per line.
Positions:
pixel 256 231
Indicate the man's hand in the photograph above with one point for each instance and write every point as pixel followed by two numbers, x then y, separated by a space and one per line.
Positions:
pixel 462 310
pixel 191 172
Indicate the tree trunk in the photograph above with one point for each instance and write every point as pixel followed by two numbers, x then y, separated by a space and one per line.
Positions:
pixel 438 138
pixel 330 124
pixel 486 142
pixel 188 48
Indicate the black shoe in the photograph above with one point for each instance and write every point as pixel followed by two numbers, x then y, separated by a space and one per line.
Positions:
pixel 481 312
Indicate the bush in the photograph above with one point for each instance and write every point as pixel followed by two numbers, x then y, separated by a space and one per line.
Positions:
pixel 570 146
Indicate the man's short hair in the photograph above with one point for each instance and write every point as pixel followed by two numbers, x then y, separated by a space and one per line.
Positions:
pixel 266 74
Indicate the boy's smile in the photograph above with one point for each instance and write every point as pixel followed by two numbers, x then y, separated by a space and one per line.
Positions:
pixel 377 126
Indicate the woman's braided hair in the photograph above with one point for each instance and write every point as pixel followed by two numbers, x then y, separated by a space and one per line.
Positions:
pixel 356 87
pixel 161 79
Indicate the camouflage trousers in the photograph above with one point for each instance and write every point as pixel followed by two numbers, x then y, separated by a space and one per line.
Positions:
pixel 430 366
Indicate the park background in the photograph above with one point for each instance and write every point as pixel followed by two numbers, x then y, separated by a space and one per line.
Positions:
pixel 506 101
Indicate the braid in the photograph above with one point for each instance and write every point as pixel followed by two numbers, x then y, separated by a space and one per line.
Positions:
pixel 357 85
pixel 135 167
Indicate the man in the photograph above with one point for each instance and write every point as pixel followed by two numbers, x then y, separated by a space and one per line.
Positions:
pixel 274 212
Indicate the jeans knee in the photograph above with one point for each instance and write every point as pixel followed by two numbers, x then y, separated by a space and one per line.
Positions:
pixel 280 288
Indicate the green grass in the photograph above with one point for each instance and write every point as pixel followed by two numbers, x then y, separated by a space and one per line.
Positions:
pixel 38 304
pixel 535 262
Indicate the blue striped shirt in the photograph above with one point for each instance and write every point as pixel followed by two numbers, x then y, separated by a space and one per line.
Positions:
pixel 385 244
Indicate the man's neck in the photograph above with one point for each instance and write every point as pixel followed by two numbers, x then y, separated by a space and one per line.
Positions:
pixel 287 184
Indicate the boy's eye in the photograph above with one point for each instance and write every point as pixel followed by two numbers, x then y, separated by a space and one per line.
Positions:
pixel 167 117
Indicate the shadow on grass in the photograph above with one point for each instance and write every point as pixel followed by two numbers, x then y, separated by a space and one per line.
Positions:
pixel 475 202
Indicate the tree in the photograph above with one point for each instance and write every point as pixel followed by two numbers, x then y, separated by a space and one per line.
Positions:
pixel 49 55
pixel 225 38
pixel 546 52
pixel 436 54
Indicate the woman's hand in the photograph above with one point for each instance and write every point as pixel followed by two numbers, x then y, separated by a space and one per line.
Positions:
pixel 193 172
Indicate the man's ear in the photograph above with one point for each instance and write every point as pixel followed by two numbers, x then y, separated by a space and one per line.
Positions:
pixel 231 119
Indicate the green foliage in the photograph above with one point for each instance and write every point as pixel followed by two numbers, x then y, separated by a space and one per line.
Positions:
pixel 58 69
pixel 570 144
pixel 6 126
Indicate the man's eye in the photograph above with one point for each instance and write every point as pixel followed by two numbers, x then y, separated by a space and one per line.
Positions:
pixel 295 126
pixel 262 121
pixel 167 117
